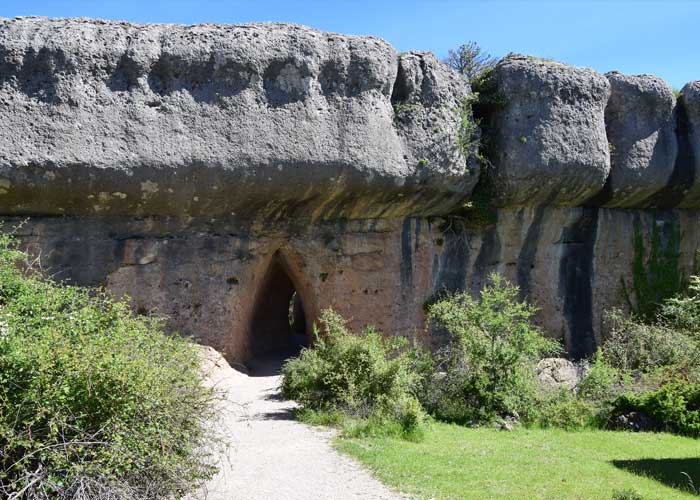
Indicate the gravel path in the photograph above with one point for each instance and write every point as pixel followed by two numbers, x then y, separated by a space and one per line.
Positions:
pixel 274 457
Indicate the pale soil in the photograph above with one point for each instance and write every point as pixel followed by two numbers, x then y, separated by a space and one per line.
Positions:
pixel 272 456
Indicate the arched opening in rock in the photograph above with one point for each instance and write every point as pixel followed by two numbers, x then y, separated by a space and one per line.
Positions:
pixel 279 328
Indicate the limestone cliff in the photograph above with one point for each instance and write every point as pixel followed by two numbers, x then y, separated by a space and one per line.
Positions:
pixel 221 175
pixel 265 120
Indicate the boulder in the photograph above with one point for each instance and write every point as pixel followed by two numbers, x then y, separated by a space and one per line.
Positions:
pixel 640 123
pixel 689 138
pixel 427 99
pixel 265 121
pixel 548 135
pixel 559 372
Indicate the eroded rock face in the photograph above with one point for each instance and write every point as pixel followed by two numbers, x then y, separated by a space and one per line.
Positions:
pixel 641 128
pixel 549 140
pixel 264 121
pixel 223 176
pixel 425 97
pixel 689 141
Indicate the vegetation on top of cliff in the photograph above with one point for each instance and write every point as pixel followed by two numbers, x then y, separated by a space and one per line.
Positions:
pixel 95 402
pixel 470 60
pixel 474 136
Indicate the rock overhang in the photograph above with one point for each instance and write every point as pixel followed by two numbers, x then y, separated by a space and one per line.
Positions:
pixel 279 121
pixel 269 120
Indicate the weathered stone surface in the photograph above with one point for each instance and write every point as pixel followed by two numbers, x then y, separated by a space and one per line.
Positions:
pixel 641 128
pixel 559 373
pixel 425 97
pixel 549 140
pixel 569 262
pixel 689 140
pixel 209 279
pixel 261 120
pixel 211 172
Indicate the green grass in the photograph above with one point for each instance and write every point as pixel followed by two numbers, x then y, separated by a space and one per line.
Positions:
pixel 454 462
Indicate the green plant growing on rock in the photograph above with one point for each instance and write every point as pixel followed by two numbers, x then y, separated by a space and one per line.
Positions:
pixel 655 277
pixel 468 133
pixel 402 108
pixel 475 140
pixel 95 402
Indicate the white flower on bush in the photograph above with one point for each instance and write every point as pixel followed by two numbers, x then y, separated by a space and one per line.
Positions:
pixel 4 329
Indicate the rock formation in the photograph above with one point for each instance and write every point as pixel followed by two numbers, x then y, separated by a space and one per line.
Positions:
pixel 232 177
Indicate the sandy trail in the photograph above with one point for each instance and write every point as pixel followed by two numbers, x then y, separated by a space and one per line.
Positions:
pixel 271 455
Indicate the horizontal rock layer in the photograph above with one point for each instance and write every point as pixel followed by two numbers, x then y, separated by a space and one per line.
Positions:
pixel 209 279
pixel 204 169
pixel 276 121
pixel 266 120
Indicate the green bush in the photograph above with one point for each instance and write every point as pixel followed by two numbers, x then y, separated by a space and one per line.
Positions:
pixel 675 407
pixel 566 410
pixel 683 311
pixel 634 345
pixel 362 376
pixel 94 402
pixel 486 370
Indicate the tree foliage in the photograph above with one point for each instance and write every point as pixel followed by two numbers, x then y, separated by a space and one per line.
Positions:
pixel 470 60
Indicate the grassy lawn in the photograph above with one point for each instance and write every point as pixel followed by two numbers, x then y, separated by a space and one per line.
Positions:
pixel 486 464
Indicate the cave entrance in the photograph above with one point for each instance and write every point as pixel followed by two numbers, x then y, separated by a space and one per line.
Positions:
pixel 279 326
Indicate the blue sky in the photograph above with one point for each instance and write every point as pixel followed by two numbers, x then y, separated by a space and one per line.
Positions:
pixel 658 37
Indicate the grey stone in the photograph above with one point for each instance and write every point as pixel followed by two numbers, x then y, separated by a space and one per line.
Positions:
pixel 549 137
pixel 253 121
pixel 640 123
pixel 690 100
pixel 558 372
pixel 427 97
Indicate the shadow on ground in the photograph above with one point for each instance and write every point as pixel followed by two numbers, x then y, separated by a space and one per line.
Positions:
pixel 680 473
pixel 269 364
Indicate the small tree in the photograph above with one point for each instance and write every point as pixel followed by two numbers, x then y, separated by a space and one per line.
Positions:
pixel 487 368
pixel 470 60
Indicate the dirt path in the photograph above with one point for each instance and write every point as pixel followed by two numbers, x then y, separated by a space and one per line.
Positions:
pixel 274 457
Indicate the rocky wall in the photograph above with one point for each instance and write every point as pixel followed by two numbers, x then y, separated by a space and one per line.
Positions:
pixel 211 171
pixel 209 279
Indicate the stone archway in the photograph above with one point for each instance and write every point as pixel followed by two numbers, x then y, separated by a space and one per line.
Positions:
pixel 280 322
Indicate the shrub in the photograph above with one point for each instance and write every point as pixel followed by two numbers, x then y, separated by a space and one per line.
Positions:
pixel 363 376
pixel 565 410
pixel 683 311
pixel 602 382
pixel 94 402
pixel 634 345
pixel 486 370
pixel 675 407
